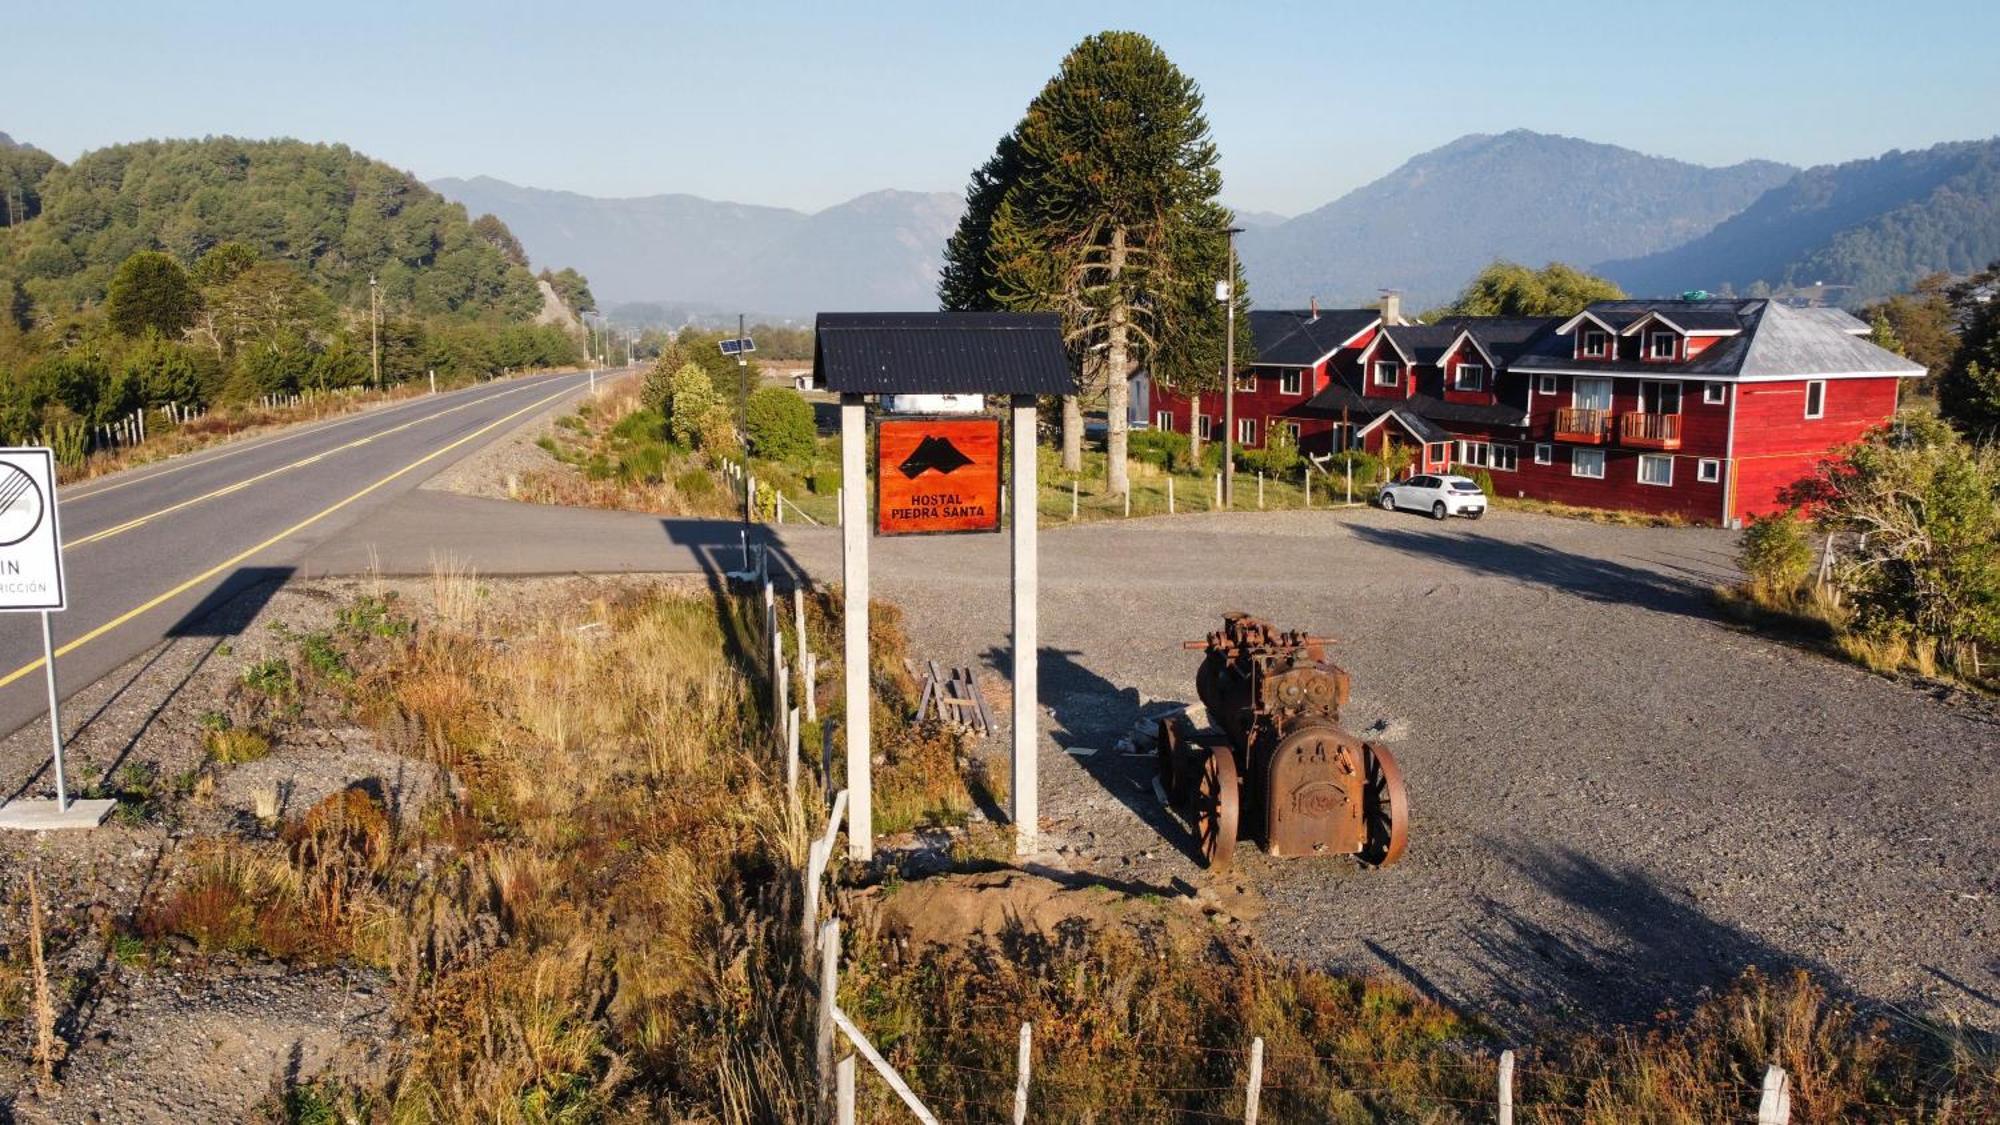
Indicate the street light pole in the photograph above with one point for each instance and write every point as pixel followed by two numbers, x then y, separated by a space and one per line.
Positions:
pixel 742 387
pixel 1226 290
pixel 375 331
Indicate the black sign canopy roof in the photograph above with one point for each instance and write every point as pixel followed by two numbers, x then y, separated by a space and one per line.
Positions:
pixel 941 353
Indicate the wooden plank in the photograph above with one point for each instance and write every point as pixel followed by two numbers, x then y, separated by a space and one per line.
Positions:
pixel 883 1068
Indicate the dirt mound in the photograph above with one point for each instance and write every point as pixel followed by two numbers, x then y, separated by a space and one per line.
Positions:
pixel 953 910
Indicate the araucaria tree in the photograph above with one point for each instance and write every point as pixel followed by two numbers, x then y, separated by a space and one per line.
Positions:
pixel 1101 206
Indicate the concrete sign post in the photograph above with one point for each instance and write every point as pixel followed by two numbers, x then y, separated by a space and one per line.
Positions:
pixel 854 619
pixel 1026 793
pixel 31 580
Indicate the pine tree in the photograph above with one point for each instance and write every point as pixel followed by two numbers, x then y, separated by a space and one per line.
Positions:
pixel 1101 206
pixel 151 291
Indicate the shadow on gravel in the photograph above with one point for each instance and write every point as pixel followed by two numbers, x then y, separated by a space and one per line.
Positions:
pixel 1093 713
pixel 1636 948
pixel 1598 580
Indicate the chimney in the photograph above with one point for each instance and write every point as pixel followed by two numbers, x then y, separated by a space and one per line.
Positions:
pixel 1392 307
pixel 1315 310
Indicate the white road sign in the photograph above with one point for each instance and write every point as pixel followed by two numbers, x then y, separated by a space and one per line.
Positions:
pixel 31 572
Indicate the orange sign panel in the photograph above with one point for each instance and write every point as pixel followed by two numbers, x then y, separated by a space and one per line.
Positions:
pixel 937 474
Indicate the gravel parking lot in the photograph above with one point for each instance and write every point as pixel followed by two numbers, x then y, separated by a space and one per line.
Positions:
pixel 1619 800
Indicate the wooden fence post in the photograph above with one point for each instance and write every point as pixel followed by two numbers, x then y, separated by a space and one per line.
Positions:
pixel 792 753
pixel 1260 488
pixel 811 678
pixel 1309 486
pixel 1506 1116
pixel 1254 1091
pixel 1021 1080
pixel 829 984
pixel 1072 500
pixel 1170 494
pixel 799 623
pixel 843 1092
pixel 1775 1107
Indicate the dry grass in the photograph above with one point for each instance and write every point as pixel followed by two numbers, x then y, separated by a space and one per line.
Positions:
pixel 1611 516
pixel 1816 618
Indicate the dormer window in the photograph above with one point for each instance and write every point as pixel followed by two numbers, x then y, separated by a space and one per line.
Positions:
pixel 1469 377
pixel 1596 343
pixel 1660 345
pixel 1387 373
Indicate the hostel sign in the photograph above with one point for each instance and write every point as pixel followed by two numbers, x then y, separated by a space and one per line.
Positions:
pixel 937 475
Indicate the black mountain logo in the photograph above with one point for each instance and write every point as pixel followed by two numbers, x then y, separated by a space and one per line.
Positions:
pixel 934 454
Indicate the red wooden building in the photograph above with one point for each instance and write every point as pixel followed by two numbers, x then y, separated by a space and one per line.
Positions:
pixel 1704 409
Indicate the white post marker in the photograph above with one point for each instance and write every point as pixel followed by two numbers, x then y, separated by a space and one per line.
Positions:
pixel 854 622
pixel 1027 733
pixel 31 579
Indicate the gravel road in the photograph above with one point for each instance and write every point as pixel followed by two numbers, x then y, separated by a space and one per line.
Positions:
pixel 1619 800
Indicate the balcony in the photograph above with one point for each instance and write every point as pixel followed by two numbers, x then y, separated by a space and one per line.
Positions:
pixel 1583 425
pixel 1649 431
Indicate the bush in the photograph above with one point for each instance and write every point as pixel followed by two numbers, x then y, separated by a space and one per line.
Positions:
pixel 1775 554
pixel 1164 448
pixel 1367 468
pixel 780 425
pixel 691 405
pixel 640 426
pixel 824 480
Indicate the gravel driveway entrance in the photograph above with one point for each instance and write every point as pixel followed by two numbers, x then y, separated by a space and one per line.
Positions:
pixel 1618 800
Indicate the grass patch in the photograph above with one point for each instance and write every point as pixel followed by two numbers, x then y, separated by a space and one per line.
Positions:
pixel 231 746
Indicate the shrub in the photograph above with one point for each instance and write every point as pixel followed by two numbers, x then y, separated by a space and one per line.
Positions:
pixel 1775 554
pixel 235 745
pixel 780 425
pixel 824 480
pixel 1484 480
pixel 1164 448
pixel 691 407
pixel 642 425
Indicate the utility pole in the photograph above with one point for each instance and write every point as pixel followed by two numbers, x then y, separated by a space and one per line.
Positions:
pixel 375 330
pixel 1225 291
pixel 742 386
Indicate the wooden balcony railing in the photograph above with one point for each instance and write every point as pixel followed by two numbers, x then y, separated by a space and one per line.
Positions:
pixel 1583 425
pixel 1649 431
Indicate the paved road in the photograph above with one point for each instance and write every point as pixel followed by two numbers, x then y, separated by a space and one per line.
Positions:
pixel 149 551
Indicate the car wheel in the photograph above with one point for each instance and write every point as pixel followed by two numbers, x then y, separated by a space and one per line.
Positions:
pixel 1388 502
pixel 1437 510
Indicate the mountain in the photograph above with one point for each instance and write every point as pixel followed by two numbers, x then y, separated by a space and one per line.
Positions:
pixel 1431 224
pixel 879 251
pixel 1874 226
pixel 336 215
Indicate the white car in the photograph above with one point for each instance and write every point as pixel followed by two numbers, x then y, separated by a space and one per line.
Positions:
pixel 1441 496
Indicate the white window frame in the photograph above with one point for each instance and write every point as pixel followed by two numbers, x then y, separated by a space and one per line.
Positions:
pixel 1708 470
pixel 1292 428
pixel 1246 432
pixel 1815 389
pixel 1642 460
pixel 1431 456
pixel 1163 420
pixel 1714 394
pixel 1206 425
pixel 1546 384
pixel 1458 377
pixel 1545 453
pixel 1576 459
pixel 1653 339
pixel 1660 393
pixel 1292 382
pixel 1603 348
pixel 1497 456
pixel 1392 368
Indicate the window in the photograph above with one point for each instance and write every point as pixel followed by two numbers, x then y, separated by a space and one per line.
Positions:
pixel 1544 453
pixel 1656 469
pixel 1660 345
pixel 1247 381
pixel 1162 382
pixel 1715 394
pixel 1546 384
pixel 1591 394
pixel 1289 429
pixel 1207 429
pixel 1164 420
pixel 1292 382
pixel 1469 377
pixel 1437 453
pixel 1488 455
pixel 1596 344
pixel 1246 431
pixel 1816 398
pixel 1708 470
pixel 1586 463
pixel 1659 398
pixel 1386 373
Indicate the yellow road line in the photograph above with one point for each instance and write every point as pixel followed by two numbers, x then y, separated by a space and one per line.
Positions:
pixel 218 568
pixel 246 482
pixel 194 459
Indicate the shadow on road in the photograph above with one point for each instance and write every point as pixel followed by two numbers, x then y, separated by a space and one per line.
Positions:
pixel 1598 580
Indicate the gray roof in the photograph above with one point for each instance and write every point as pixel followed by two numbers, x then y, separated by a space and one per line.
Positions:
pixel 1420 343
pixel 1775 341
pixel 941 353
pixel 1296 338
pixel 1834 318
pixel 1338 397
pixel 1424 429
pixel 1503 337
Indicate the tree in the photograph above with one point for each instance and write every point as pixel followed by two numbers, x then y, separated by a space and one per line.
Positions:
pixel 1921 322
pixel 495 233
pixel 780 425
pixel 151 292
pixel 223 263
pixel 573 289
pixel 1511 289
pixel 1101 206
pixel 691 404
pixel 1969 391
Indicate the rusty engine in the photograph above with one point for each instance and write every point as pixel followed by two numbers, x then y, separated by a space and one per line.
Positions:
pixel 1280 765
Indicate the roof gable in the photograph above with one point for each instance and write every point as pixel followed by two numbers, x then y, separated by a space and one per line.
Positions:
pixel 1297 338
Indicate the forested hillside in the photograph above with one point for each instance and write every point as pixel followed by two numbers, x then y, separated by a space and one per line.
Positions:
pixel 1874 225
pixel 218 269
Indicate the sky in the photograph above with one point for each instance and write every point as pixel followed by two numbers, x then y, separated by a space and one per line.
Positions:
pixel 808 104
